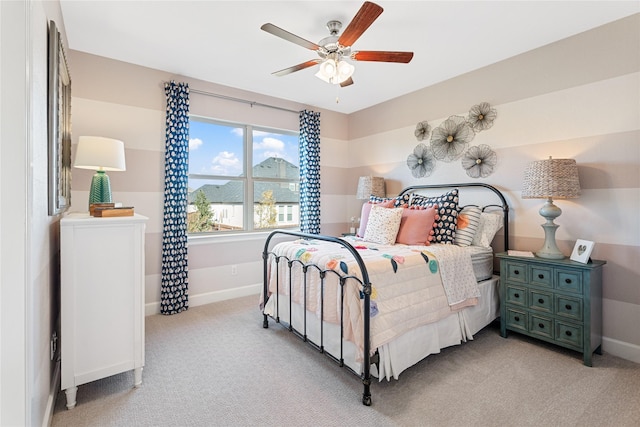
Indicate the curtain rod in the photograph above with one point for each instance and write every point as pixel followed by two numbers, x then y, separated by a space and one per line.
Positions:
pixel 245 101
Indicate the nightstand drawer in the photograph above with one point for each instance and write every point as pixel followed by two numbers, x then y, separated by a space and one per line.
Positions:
pixel 517 319
pixel 516 295
pixel 569 281
pixel 541 301
pixel 541 276
pixel 569 307
pixel 569 334
pixel 542 326
pixel 516 272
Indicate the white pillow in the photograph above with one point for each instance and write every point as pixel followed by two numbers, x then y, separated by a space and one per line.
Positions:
pixel 490 223
pixel 467 225
pixel 383 225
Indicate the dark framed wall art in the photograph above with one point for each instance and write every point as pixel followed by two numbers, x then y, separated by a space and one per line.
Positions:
pixel 59 118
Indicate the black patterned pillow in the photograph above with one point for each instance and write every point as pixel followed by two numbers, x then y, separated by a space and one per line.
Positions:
pixel 398 201
pixel 445 228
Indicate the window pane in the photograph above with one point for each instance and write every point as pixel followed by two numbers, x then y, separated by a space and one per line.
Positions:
pixel 271 201
pixel 215 206
pixel 275 155
pixel 215 149
pixel 225 161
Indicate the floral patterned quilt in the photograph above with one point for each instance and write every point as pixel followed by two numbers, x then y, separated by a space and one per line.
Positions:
pixel 411 285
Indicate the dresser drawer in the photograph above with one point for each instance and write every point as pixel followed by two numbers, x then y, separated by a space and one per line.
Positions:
pixel 541 301
pixel 517 319
pixel 569 334
pixel 541 326
pixel 569 307
pixel 541 276
pixel 569 281
pixel 516 272
pixel 516 295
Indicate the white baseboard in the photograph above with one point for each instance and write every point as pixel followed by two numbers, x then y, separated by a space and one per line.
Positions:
pixel 621 349
pixel 53 394
pixel 209 297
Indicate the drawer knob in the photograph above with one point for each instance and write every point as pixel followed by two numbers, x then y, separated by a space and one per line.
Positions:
pixel 516 295
pixel 516 271
pixel 540 301
pixel 517 318
pixel 540 276
pixel 541 325
pixel 568 306
pixel 568 333
pixel 567 281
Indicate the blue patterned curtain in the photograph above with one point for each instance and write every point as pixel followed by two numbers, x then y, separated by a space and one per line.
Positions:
pixel 310 172
pixel 174 296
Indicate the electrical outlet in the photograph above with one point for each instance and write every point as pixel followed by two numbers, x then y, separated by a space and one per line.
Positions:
pixel 53 345
pixel 234 270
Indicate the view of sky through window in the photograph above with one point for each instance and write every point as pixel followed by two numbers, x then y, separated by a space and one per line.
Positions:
pixel 216 149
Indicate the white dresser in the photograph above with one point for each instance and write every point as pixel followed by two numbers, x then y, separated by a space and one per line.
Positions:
pixel 102 299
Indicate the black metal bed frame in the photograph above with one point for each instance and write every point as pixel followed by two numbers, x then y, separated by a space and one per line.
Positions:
pixel 368 359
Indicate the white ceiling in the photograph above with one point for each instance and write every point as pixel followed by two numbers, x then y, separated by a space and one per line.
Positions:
pixel 221 41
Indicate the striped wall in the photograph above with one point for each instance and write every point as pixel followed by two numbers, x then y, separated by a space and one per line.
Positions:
pixel 576 98
pixel 126 102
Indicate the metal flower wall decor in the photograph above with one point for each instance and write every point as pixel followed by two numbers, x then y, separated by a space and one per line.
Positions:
pixel 450 139
pixel 421 161
pixel 479 161
pixel 481 116
pixel 422 130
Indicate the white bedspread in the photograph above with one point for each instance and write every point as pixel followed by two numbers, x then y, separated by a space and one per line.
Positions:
pixel 411 285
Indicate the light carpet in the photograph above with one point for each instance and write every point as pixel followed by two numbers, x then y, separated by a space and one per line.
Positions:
pixel 215 365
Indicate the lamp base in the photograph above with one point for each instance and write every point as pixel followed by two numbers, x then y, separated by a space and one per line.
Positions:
pixel 100 191
pixel 550 250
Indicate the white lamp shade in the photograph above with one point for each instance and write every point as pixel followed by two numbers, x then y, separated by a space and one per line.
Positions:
pixel 98 153
pixel 345 70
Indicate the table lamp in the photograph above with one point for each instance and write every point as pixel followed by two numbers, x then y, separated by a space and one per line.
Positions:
pixel 549 179
pixel 370 185
pixel 100 154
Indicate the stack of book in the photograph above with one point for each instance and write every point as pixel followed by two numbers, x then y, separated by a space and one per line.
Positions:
pixel 103 210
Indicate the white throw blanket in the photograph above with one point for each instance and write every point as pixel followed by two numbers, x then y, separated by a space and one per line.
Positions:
pixel 457 274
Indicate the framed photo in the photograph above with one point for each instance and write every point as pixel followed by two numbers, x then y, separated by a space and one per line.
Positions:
pixel 582 251
pixel 59 120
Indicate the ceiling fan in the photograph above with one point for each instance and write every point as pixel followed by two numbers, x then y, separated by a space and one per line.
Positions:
pixel 333 50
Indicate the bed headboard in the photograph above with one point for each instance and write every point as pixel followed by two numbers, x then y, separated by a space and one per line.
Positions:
pixel 495 200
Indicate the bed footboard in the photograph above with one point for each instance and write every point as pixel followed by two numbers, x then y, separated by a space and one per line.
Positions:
pixel 267 254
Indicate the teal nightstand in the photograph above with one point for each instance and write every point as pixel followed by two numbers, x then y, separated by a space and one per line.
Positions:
pixel 558 301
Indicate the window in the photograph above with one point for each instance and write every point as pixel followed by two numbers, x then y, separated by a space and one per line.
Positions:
pixel 241 177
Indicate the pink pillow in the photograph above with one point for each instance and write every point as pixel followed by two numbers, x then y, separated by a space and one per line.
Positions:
pixel 364 215
pixel 416 226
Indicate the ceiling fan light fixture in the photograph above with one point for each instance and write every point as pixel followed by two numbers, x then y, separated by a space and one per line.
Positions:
pixel 345 70
pixel 335 72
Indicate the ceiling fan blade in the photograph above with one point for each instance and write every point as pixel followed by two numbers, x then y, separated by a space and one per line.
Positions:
pixel 283 34
pixel 347 82
pixel 298 67
pixel 382 56
pixel 363 19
